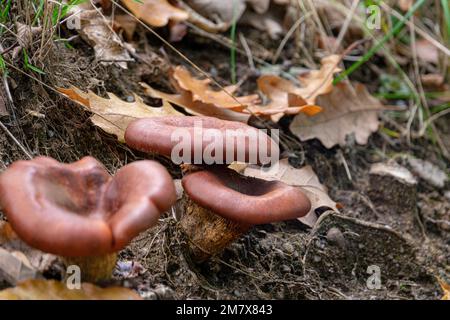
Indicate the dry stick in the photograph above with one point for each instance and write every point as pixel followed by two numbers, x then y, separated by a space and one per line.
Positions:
pixel 346 25
pixel 317 20
pixel 431 119
pixel 17 142
pixel 248 51
pixel 289 34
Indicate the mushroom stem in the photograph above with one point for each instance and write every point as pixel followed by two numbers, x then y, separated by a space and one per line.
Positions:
pixel 95 268
pixel 208 233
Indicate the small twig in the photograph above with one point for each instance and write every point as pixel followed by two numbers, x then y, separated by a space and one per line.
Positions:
pixel 17 142
pixel 248 51
pixel 344 163
pixel 346 25
pixel 291 31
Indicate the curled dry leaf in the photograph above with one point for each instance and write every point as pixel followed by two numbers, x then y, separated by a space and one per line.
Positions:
pixel 198 98
pixel 346 110
pixel 156 13
pixel 304 178
pixel 54 290
pixel 113 115
pixel 287 98
pixel 97 31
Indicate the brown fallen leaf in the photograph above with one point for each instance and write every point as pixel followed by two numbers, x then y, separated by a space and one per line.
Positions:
pixel 200 90
pixel 113 115
pixel 198 98
pixel 54 290
pixel 156 13
pixel 426 51
pixel 304 178
pixel 346 110
pixel 433 81
pixel 405 5
pixel 126 23
pixel 97 31
pixel 288 98
pixel 196 108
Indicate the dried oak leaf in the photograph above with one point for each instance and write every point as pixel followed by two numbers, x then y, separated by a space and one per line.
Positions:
pixel 304 178
pixel 113 115
pixel 97 31
pixel 346 110
pixel 198 98
pixel 54 290
pixel 156 13
pixel 287 98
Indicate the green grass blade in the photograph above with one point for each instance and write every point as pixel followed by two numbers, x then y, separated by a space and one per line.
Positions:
pixel 394 32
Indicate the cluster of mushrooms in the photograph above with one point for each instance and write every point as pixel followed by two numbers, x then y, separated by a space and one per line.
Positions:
pixel 84 215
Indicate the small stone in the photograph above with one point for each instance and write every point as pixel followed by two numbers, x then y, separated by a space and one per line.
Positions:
pixel 285 268
pixel 447 195
pixel 164 292
pixel 288 247
pixel 428 172
pixel 335 236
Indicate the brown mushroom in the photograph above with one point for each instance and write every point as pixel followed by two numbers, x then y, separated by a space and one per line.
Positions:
pixel 221 205
pixel 80 212
pixel 243 143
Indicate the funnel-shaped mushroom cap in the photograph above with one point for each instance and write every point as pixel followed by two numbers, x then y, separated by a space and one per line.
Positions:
pixel 226 141
pixel 246 200
pixel 78 209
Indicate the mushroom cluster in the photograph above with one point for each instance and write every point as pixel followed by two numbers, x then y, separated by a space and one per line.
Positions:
pixel 80 212
pixel 219 204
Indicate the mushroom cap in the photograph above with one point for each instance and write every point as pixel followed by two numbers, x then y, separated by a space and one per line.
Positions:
pixel 246 200
pixel 78 209
pixel 158 135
